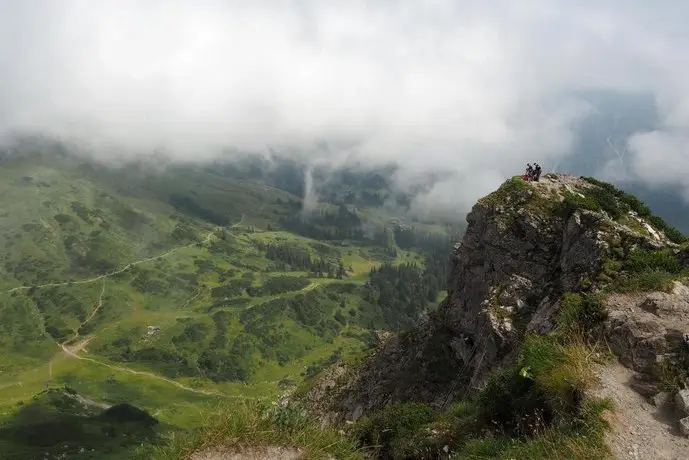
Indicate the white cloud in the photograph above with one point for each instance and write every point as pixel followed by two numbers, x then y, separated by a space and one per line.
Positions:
pixel 662 157
pixel 473 87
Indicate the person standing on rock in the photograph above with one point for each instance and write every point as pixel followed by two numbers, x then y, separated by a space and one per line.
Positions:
pixel 529 172
pixel 537 172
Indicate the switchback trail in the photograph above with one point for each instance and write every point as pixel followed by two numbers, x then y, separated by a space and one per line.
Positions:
pixel 73 351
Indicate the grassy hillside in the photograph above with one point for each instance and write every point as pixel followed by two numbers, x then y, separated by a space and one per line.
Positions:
pixel 61 423
pixel 176 290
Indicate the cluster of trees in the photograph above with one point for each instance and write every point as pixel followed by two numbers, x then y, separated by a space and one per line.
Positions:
pixel 310 229
pixel 402 292
pixel 166 361
pixel 408 238
pixel 295 258
pixel 234 363
pixel 406 291
pixel 341 225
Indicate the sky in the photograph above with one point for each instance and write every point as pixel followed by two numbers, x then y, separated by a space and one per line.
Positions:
pixel 477 88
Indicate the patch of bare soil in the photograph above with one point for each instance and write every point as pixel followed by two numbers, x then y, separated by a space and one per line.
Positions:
pixel 640 430
pixel 249 453
pixel 557 182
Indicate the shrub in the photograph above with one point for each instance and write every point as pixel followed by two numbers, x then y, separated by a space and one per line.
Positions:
pixel 513 404
pixel 642 261
pixel 647 271
pixel 388 428
pixel 580 314
pixel 607 201
pixel 671 233
pixel 546 386
pixel 641 282
pixel 573 202
pixel 534 409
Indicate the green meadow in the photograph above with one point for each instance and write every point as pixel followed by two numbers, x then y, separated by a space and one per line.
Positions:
pixel 181 291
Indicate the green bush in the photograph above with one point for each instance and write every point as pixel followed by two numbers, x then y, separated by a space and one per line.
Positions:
pixel 607 201
pixel 645 270
pixel 389 428
pixel 642 261
pixel 513 404
pixel 672 233
pixel 573 202
pixel 279 285
pixel 581 440
pixel 580 314
pixel 546 386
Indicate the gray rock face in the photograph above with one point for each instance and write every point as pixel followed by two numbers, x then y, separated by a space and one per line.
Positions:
pixel 661 400
pixel 682 402
pixel 645 329
pixel 518 255
pixel 637 340
pixel 684 426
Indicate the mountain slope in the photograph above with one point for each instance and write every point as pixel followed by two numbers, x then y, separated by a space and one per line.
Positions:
pixel 506 366
pixel 180 288
pixel 60 423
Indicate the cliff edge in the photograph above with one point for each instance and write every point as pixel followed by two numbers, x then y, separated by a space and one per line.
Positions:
pixel 528 249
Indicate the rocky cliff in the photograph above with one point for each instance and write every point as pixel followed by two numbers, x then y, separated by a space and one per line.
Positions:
pixel 526 245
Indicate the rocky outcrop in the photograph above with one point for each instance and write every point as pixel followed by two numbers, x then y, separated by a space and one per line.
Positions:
pixel 649 333
pixel 522 249
pixel 645 329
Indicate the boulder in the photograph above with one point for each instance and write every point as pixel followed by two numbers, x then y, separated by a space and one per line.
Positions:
pixel 682 402
pixel 684 426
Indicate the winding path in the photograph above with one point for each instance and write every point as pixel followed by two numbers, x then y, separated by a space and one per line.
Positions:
pixel 73 352
pixel 81 345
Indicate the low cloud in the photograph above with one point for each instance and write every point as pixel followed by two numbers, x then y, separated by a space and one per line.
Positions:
pixel 474 88
pixel 661 158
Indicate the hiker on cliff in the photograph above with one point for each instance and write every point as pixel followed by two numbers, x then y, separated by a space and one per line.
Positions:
pixel 537 172
pixel 529 172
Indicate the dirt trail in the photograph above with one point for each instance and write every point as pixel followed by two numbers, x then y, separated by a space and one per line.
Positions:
pixel 308 288
pixel 640 431
pixel 78 347
pixel 8 385
pixel 98 305
pixel 73 350
pixel 121 270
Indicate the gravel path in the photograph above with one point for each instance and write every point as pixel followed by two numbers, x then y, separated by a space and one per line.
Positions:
pixel 640 431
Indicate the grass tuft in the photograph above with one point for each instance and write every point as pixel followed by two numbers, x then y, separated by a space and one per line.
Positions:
pixel 644 270
pixel 256 424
